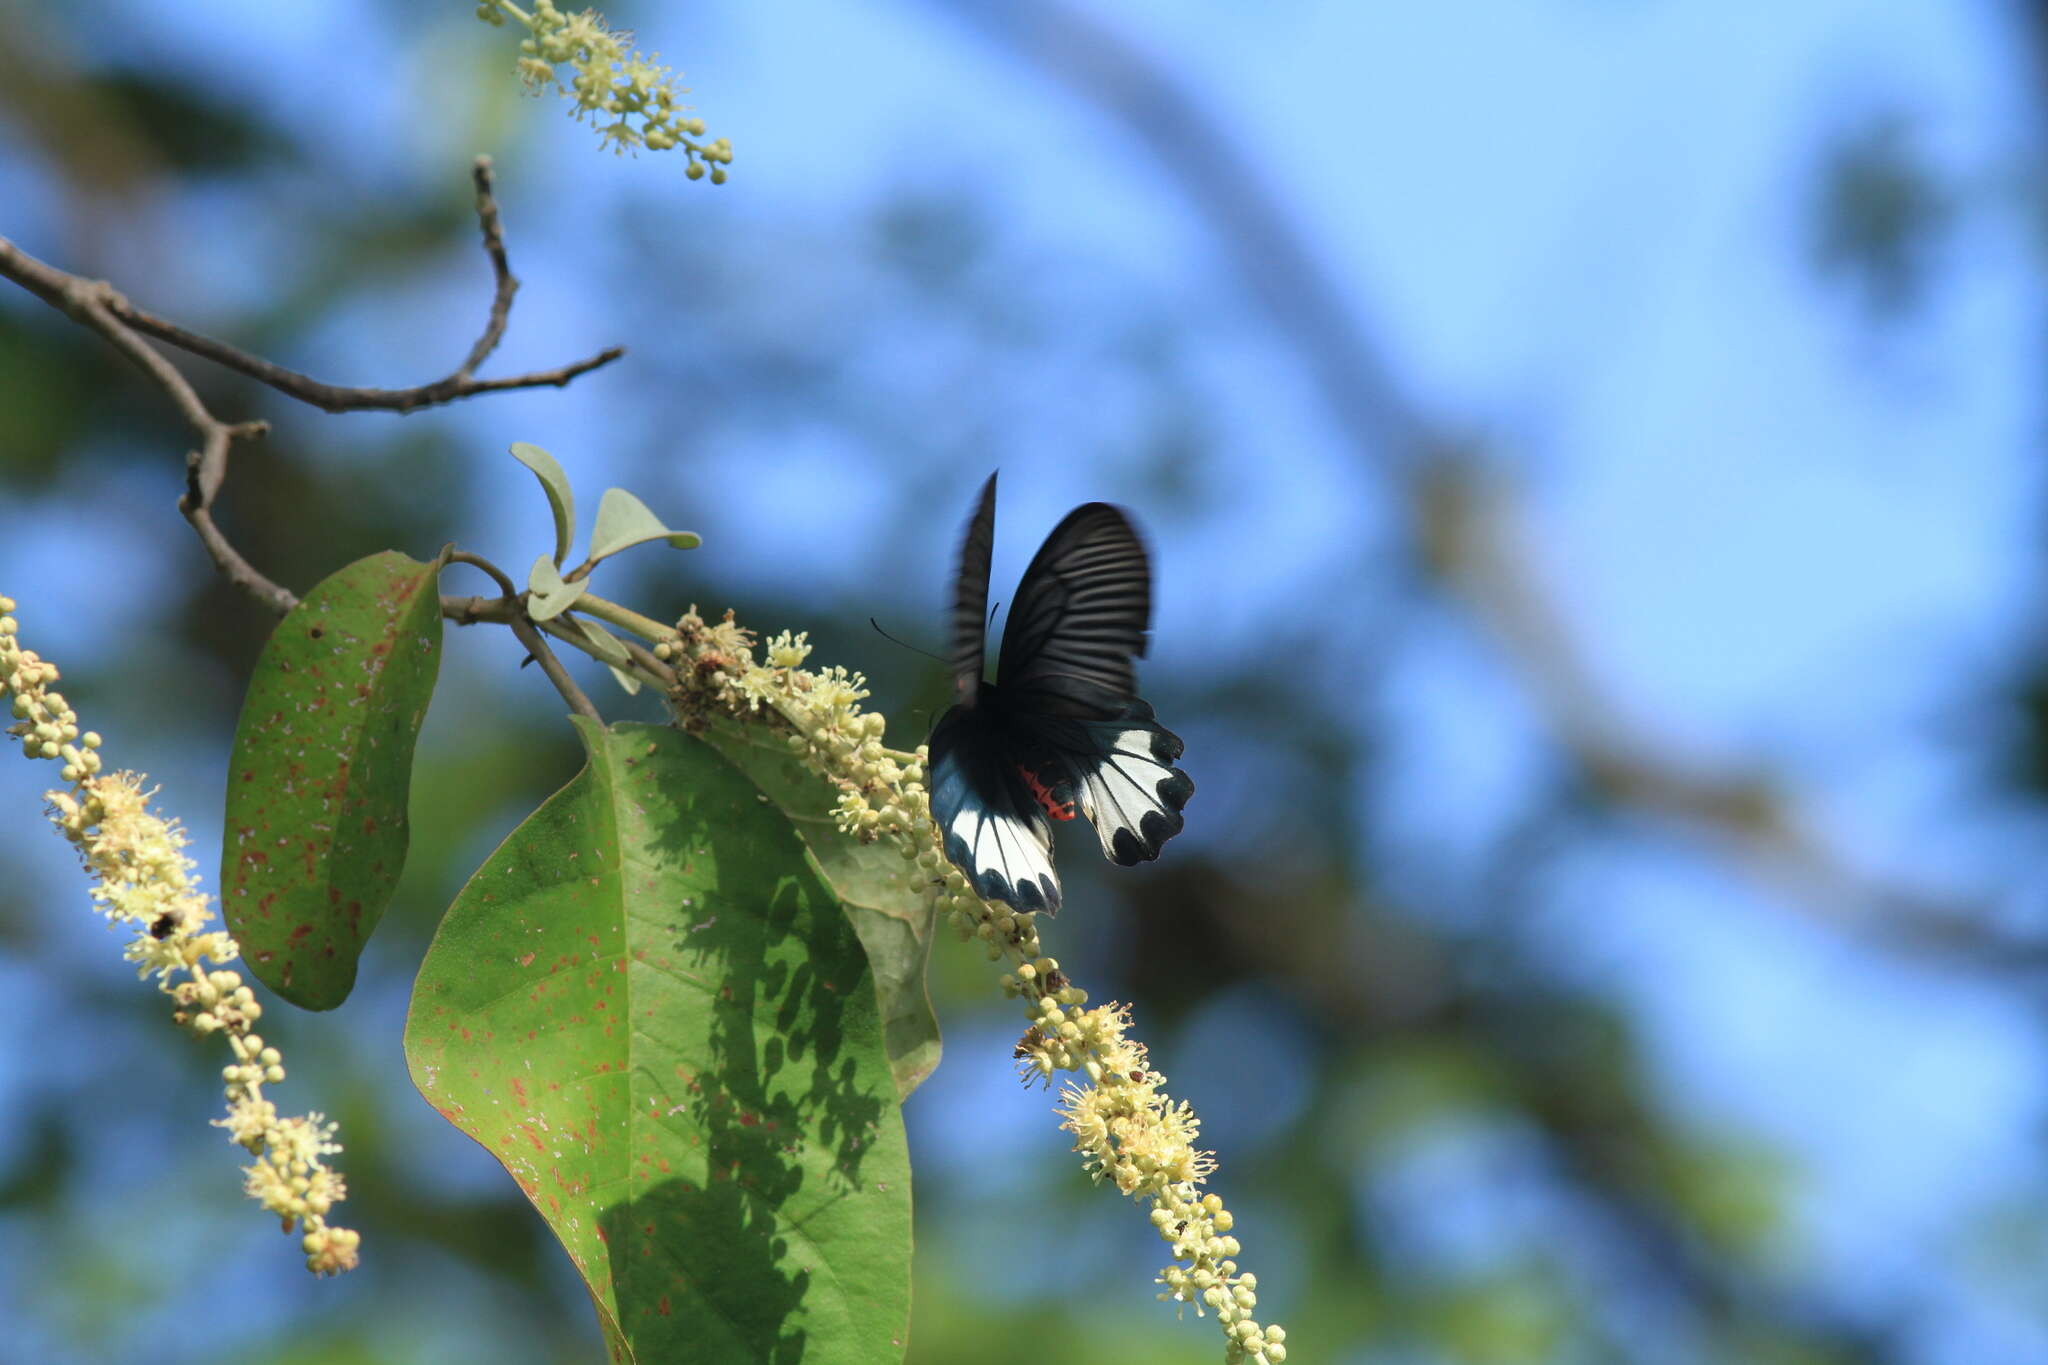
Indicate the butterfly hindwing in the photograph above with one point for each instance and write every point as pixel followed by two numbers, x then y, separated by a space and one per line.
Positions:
pixel 994 830
pixel 1124 779
pixel 1080 618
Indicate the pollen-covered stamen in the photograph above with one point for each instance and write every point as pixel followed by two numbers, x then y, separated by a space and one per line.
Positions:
pixel 1056 808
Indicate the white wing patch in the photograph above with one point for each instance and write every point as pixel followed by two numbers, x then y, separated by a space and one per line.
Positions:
pixel 1007 858
pixel 1129 789
pixel 1003 850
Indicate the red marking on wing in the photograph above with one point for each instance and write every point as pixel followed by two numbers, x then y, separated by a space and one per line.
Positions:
pixel 1058 810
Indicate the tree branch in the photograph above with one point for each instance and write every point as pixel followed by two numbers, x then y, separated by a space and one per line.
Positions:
pixel 89 302
pixel 501 271
pixel 476 561
pixel 344 398
pixel 97 305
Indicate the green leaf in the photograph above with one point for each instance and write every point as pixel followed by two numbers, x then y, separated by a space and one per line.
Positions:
pixel 883 892
pixel 547 596
pixel 624 521
pixel 561 498
pixel 317 783
pixel 653 1012
pixel 625 680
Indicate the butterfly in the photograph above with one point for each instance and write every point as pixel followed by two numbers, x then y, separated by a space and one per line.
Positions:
pixel 1061 730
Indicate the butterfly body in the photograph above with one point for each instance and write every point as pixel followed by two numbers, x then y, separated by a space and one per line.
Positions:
pixel 1053 800
pixel 1061 732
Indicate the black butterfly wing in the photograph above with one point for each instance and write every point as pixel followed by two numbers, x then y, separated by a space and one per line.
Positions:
pixel 994 830
pixel 1064 710
pixel 1120 772
pixel 970 597
pixel 1080 618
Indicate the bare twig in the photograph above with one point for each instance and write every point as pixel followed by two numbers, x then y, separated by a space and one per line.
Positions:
pixel 99 306
pixel 501 270
pixel 476 561
pixel 89 302
pixel 344 398
pixel 552 666
pixel 339 398
pixel 467 611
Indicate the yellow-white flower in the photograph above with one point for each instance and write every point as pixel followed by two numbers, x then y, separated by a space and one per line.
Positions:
pixel 632 100
pixel 144 883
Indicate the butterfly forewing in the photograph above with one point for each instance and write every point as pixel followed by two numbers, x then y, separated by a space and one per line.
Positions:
pixel 1080 617
pixel 970 597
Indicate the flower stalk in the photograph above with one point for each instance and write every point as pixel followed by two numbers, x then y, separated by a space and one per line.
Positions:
pixel 144 882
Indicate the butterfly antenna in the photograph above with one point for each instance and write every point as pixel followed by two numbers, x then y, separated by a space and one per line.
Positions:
pixel 985 625
pixel 912 648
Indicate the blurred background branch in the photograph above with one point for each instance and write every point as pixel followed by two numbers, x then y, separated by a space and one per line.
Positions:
pixel 1463 514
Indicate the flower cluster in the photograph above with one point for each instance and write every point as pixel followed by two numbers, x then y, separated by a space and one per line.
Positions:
pixel 1126 1128
pixel 144 881
pixel 1131 1134
pixel 612 84
pixel 881 790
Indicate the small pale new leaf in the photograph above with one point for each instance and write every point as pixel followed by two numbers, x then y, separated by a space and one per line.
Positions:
pixel 548 596
pixel 624 521
pixel 561 499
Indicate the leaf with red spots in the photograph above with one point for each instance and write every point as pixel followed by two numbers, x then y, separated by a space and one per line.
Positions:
pixel 882 890
pixel 316 828
pixel 649 1007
